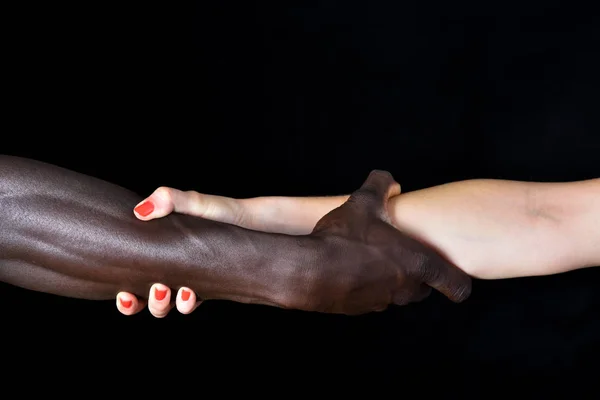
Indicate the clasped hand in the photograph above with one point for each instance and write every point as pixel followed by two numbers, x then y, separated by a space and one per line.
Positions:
pixel 360 264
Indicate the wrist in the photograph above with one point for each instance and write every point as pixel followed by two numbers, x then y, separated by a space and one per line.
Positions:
pixel 288 215
pixel 226 262
pixel 429 221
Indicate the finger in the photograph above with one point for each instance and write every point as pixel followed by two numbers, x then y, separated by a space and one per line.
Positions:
pixel 421 293
pixel 159 300
pixel 186 301
pixel 157 205
pixel 166 200
pixel 409 294
pixel 375 192
pixel 216 208
pixel 129 304
pixel 444 277
pixel 372 197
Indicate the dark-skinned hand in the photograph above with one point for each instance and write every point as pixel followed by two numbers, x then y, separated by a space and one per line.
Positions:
pixel 365 264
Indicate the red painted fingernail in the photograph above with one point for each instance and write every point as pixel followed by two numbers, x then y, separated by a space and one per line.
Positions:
pixel 185 295
pixel 125 303
pixel 160 294
pixel 145 208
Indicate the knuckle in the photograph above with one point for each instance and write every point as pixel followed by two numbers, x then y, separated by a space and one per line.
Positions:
pixel 365 196
pixel 196 203
pixel 426 271
pixel 194 196
pixel 165 193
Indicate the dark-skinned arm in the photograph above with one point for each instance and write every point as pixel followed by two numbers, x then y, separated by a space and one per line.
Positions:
pixel 73 235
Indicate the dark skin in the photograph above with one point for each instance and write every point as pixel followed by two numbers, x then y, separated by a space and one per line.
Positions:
pixel 73 235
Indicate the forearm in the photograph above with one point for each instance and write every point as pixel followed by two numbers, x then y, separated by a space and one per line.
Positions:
pixel 73 235
pixel 496 229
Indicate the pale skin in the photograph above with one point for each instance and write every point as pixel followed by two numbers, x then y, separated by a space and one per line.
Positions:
pixel 491 229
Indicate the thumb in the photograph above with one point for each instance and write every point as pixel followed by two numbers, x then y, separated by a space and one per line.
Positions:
pixel 166 200
pixel 375 192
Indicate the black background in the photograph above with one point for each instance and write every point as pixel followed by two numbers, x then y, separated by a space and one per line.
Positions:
pixel 305 98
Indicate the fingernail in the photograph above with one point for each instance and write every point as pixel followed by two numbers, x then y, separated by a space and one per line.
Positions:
pixel 145 208
pixel 160 294
pixel 125 303
pixel 185 295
